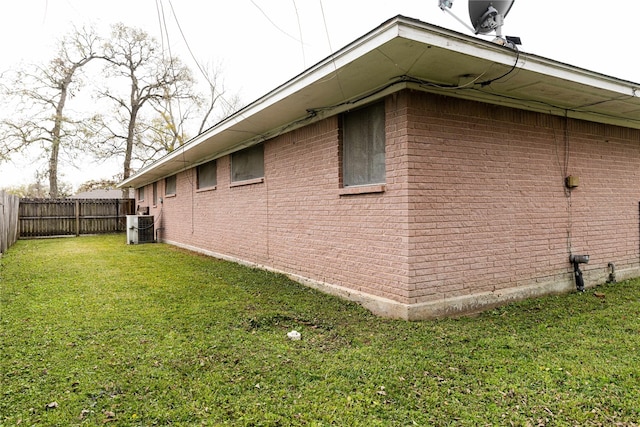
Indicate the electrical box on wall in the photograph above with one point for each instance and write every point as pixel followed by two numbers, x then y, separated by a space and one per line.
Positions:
pixel 571 181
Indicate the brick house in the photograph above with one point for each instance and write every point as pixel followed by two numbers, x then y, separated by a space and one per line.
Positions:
pixel 418 171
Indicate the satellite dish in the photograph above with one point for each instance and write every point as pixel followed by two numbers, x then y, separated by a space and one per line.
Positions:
pixel 488 15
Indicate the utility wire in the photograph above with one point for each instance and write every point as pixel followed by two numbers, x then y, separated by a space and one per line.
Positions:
pixel 164 30
pixel 515 64
pixel 158 6
pixel 163 24
pixel 46 10
pixel 333 60
pixel 175 17
pixel 304 58
pixel 273 23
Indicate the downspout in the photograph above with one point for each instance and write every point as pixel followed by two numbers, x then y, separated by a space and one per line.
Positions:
pixel 158 229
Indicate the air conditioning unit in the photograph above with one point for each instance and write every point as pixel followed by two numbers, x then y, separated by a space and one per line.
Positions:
pixel 140 229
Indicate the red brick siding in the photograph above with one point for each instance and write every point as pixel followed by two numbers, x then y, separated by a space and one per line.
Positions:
pixel 488 205
pixel 230 219
pixel 474 202
pixel 296 220
pixel 320 234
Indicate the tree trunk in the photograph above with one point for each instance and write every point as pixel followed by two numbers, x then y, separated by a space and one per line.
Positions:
pixel 53 169
pixel 55 136
pixel 130 139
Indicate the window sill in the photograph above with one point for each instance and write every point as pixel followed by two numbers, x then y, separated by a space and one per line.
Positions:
pixel 362 189
pixel 168 196
pixel 247 182
pixel 205 189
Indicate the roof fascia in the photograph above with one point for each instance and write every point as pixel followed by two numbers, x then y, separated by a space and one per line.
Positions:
pixel 398 26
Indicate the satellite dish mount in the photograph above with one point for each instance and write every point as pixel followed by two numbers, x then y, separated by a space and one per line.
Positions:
pixel 486 16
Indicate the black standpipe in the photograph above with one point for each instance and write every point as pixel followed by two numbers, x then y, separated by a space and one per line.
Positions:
pixel 576 260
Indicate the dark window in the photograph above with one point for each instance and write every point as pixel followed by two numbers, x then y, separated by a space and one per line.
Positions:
pixel 248 163
pixel 207 174
pixel 155 193
pixel 141 193
pixel 170 185
pixel 363 141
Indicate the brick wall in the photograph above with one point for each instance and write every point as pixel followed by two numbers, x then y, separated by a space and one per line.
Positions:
pixel 490 207
pixel 297 220
pixel 474 202
pixel 229 220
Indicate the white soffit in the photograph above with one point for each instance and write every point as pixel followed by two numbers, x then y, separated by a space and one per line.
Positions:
pixel 407 52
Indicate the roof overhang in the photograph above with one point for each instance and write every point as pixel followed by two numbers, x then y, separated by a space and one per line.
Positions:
pixel 404 53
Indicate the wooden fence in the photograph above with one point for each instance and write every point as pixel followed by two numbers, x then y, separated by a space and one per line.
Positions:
pixel 8 220
pixel 63 217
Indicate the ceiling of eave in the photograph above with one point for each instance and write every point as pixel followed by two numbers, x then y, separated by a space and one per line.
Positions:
pixel 444 62
pixel 515 86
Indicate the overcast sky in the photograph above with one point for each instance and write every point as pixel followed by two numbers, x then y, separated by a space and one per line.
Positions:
pixel 261 44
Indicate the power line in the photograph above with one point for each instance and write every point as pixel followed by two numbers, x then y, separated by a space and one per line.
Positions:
pixel 333 61
pixel 158 6
pixel 218 95
pixel 163 24
pixel 206 76
pixel 304 58
pixel 273 23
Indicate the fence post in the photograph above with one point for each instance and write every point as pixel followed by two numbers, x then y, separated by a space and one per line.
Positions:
pixel 77 211
pixel 9 206
pixel 4 235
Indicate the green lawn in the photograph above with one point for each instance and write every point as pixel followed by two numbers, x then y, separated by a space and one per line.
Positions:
pixel 96 332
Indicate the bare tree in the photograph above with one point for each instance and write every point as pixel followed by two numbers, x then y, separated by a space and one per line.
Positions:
pixel 135 57
pixel 214 99
pixel 175 116
pixel 167 129
pixel 40 97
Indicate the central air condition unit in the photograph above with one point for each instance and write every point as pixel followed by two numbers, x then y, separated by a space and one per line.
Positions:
pixel 140 229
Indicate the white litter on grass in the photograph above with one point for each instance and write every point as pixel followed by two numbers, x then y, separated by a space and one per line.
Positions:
pixel 294 335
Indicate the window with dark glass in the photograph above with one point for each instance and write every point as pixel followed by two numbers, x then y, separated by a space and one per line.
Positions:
pixel 141 193
pixel 248 164
pixel 207 174
pixel 170 185
pixel 363 146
